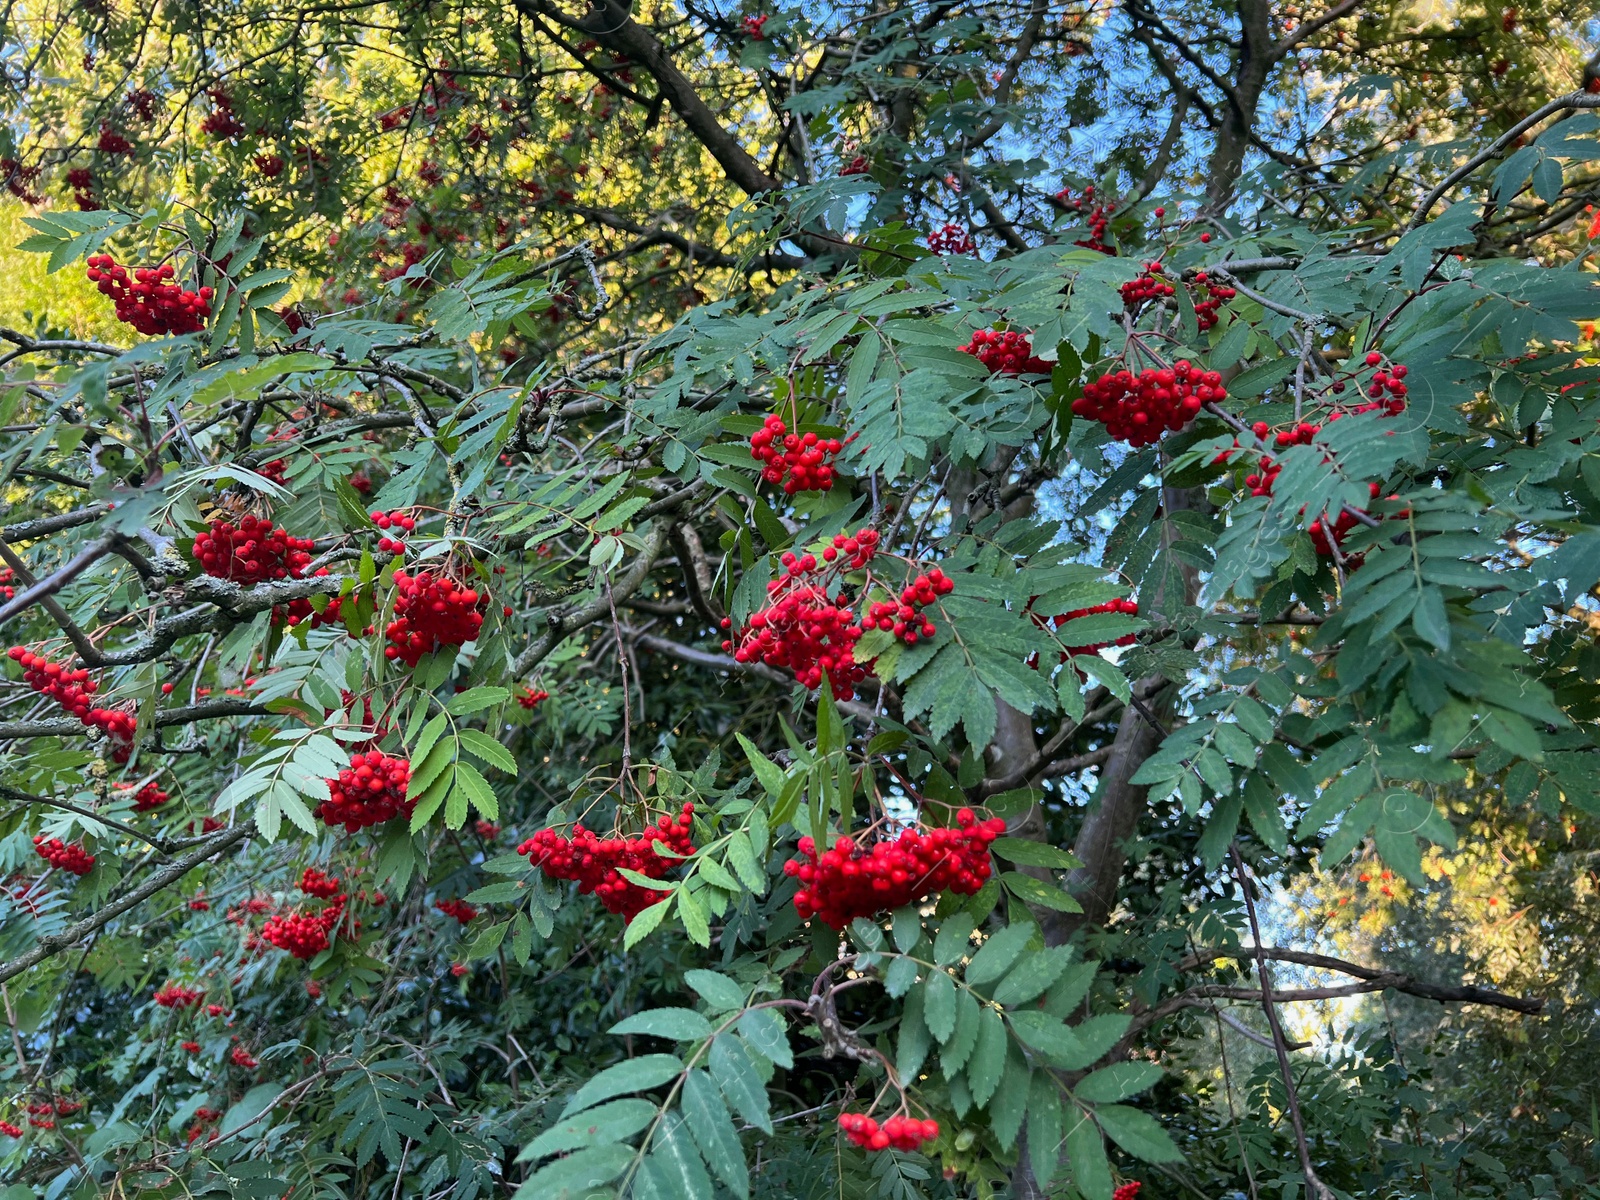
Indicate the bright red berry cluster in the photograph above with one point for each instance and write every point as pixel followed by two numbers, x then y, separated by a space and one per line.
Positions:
pixel 1005 352
pixel 432 611
pixel 1342 525
pixel 804 630
pixel 1138 409
pixel 304 934
pixel 905 619
pixel 251 551
pixel 801 462
pixel 150 303
pixel 370 791
pixel 7 584
pixel 222 122
pixel 1151 285
pixel 71 688
pixel 459 909
pixel 1207 310
pixel 951 238
pixel 753 27
pixel 529 698
pixel 65 1108
pixel 64 856
pixel 1097 215
pixel 902 1133
pixel 177 995
pixel 10 1130
pixel 595 862
pixel 149 798
pixel 1127 1191
pixel 856 166
pixel 315 883
pixel 399 521
pixel 243 1058
pixel 858 550
pixel 847 881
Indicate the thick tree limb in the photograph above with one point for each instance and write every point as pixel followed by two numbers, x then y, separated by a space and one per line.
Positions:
pixel 50 946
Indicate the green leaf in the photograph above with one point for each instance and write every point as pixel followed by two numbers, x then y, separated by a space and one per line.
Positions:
pixel 1117 1082
pixel 998 952
pixel 713 1131
pixel 677 1160
pixel 1087 1149
pixel 578 1175
pixel 1044 1127
pixel 1031 891
pixel 763 1030
pixel 1138 1133
pixel 911 1050
pixel 692 912
pixel 1050 1036
pixel 608 1123
pixel 1027 853
pixel 987 1061
pixel 635 1075
pixel 742 856
pixel 1011 1099
pixel 720 993
pixel 939 1005
pixel 676 1024
pixel 644 923
pixel 475 699
pixel 485 748
pixel 1430 620
pixel 477 790
pixel 954 939
pixel 900 976
pixel 1030 977
pixel 741 1086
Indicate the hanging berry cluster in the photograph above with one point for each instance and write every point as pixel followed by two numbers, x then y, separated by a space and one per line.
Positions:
pixel 1096 215
pixel 1138 409
pixel 315 883
pixel 849 881
pixel 803 630
pixel 1005 352
pixel 10 1130
pixel 753 27
pixel 432 611
pixel 901 1133
pixel 149 798
pixel 459 909
pixel 399 521
pixel 596 862
pixel 64 856
pixel 150 303
pixel 71 688
pixel 951 238
pixel 303 934
pixel 1207 311
pixel 222 122
pixel 243 1058
pixel 801 462
pixel 529 698
pixel 905 618
pixel 178 995
pixel 1127 1191
pixel 1152 284
pixel 251 551
pixel 370 791
pixel 7 584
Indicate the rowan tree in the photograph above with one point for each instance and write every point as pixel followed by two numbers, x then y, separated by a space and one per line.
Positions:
pixel 672 602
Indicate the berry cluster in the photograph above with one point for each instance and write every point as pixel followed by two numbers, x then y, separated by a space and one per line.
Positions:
pixel 64 856
pixel 1097 216
pixel 459 909
pixel 401 523
pixel 903 1133
pixel 529 698
pixel 177 995
pixel 251 551
pixel 1005 352
pixel 951 238
pixel 848 881
pixel 315 883
pixel 1151 285
pixel 1325 539
pixel 150 303
pixel 596 862
pixel 303 934
pixel 8 579
pixel 71 688
pixel 270 166
pixel 803 630
pixel 1217 294
pixel 856 166
pixel 149 798
pixel 906 619
pixel 753 27
pixel 1127 1191
pixel 432 611
pixel 1138 409
pixel 222 122
pixel 243 1058
pixel 801 462
pixel 10 1130
pixel 1386 386
pixel 858 550
pixel 370 791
